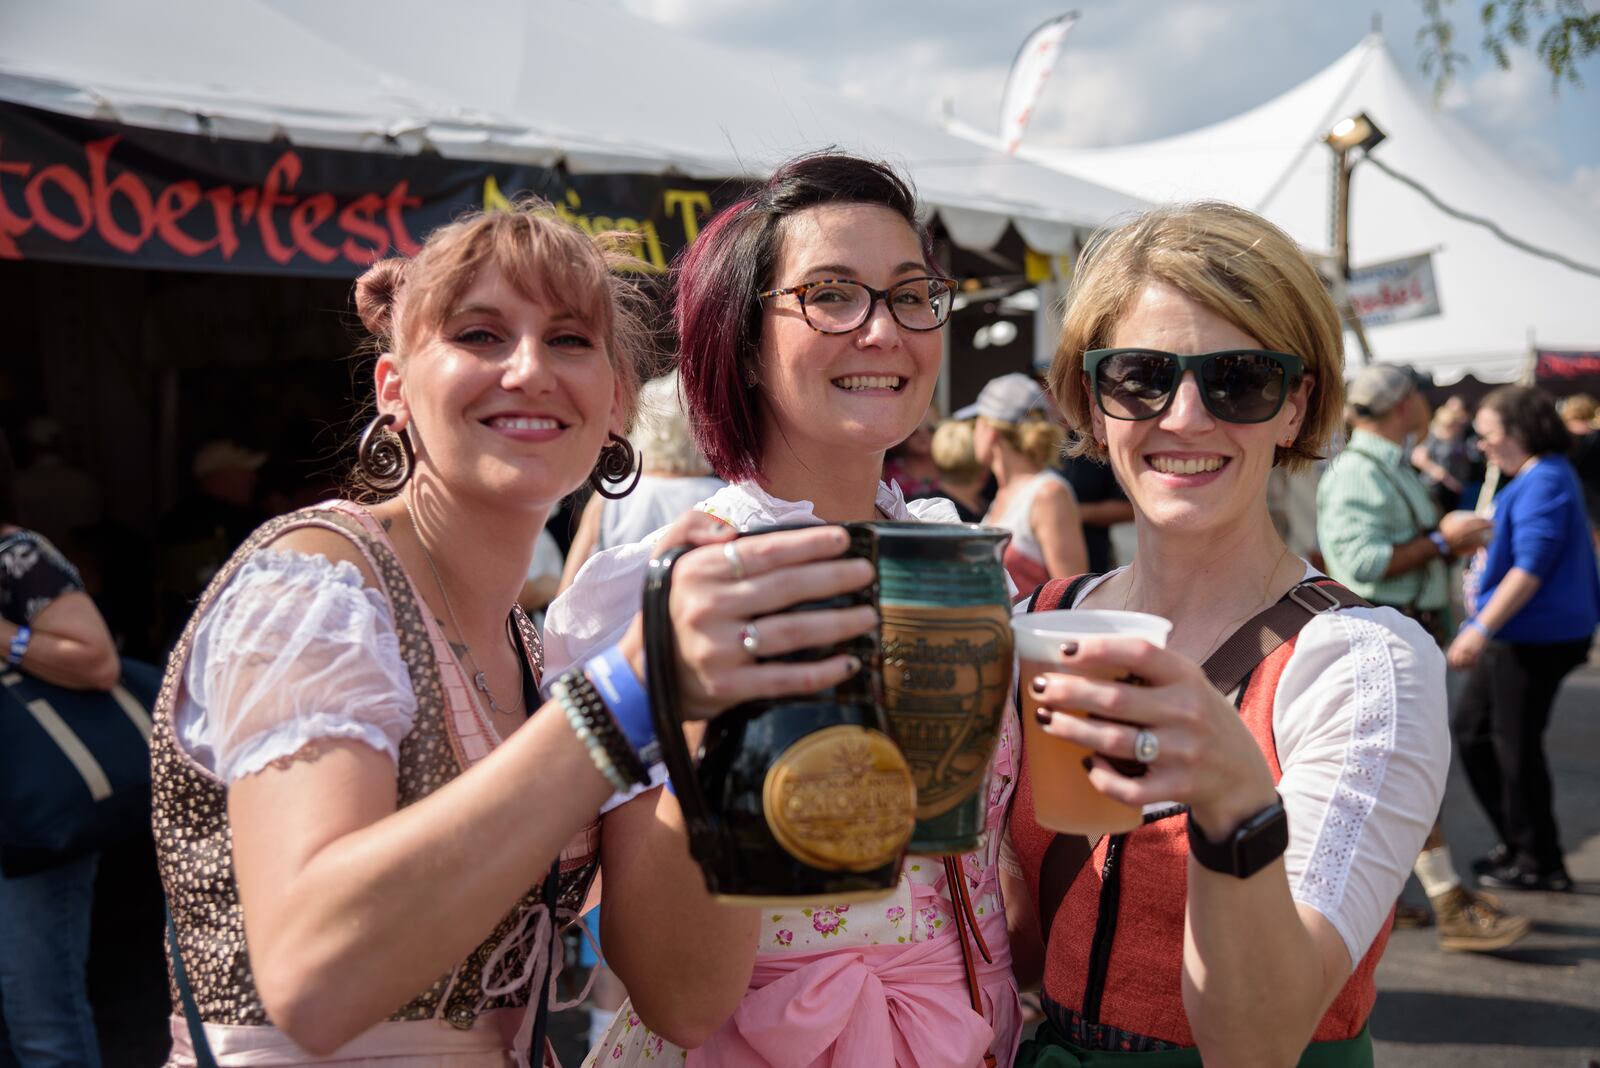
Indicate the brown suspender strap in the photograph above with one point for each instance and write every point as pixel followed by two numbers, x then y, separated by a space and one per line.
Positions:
pixel 1066 853
pixel 1258 639
pixel 967 928
pixel 1234 660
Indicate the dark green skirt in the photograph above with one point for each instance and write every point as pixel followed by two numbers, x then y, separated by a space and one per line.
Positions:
pixel 1047 1049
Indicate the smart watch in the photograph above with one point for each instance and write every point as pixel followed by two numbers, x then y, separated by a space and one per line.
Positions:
pixel 1254 844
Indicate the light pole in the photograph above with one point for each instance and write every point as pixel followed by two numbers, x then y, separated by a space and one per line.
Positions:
pixel 1356 132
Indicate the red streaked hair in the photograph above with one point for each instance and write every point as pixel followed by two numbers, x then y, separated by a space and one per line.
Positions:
pixel 717 313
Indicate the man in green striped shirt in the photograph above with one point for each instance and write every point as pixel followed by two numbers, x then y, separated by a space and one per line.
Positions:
pixel 1381 536
pixel 1376 523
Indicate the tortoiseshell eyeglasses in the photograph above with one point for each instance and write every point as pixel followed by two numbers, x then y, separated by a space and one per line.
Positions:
pixel 840 305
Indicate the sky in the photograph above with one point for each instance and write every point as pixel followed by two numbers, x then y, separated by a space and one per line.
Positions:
pixel 1132 70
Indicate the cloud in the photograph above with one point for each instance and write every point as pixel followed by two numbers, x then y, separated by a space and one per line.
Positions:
pixel 1130 71
pixel 1585 185
pixel 1512 107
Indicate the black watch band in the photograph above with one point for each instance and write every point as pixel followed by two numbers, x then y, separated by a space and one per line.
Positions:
pixel 1252 845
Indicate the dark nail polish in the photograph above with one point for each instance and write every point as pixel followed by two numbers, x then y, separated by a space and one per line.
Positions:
pixel 1043 715
pixel 1088 763
pixel 1038 684
pixel 1069 648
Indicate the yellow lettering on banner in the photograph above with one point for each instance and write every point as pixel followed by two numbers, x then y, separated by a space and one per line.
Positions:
pixel 643 242
pixel 688 200
pixel 493 199
pixel 1036 266
pixel 656 257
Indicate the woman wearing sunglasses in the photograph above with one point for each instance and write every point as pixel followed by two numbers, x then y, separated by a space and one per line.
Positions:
pixel 808 320
pixel 1286 797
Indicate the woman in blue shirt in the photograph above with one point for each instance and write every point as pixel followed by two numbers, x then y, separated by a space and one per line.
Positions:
pixel 1534 613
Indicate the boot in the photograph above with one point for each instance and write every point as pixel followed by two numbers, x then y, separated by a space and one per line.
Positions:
pixel 1475 923
pixel 1409 917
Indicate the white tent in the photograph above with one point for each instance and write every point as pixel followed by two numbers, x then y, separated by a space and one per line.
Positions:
pixel 1495 298
pixel 502 80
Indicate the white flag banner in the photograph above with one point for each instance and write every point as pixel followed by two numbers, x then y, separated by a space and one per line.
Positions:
pixel 1029 71
pixel 1394 291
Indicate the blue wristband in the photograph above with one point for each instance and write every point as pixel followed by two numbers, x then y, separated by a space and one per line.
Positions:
pixel 1439 543
pixel 1474 624
pixel 619 687
pixel 19 645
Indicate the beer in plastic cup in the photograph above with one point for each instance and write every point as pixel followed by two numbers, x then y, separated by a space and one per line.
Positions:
pixel 1063 798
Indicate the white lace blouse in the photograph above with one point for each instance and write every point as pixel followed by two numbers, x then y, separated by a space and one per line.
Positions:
pixel 295 649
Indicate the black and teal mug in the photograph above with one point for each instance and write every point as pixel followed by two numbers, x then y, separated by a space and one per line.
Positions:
pixel 946 634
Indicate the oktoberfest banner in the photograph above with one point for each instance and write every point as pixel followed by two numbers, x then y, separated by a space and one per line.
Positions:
pixel 1394 291
pixel 1564 365
pixel 103 193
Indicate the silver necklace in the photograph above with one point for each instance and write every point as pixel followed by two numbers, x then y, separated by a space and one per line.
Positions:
pixel 479 679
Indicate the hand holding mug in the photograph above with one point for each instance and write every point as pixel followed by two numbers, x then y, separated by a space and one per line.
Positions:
pixel 727 609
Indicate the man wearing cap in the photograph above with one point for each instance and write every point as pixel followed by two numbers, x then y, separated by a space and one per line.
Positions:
pixel 1381 535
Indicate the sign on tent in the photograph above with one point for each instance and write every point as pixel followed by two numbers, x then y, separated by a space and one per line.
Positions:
pixel 1394 291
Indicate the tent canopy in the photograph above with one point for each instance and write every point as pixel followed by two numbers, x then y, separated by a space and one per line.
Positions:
pixel 506 80
pixel 1496 300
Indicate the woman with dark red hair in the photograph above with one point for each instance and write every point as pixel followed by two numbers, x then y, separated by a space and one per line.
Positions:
pixel 808 319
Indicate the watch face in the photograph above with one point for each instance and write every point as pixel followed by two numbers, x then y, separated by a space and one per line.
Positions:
pixel 1253 845
pixel 1262 840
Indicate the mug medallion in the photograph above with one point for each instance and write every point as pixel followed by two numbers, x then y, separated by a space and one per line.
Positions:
pixel 841 799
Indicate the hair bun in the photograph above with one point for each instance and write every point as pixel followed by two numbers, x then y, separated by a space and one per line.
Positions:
pixel 377 292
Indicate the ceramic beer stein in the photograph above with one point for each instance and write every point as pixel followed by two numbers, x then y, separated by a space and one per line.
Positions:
pixel 803 796
pixel 946 638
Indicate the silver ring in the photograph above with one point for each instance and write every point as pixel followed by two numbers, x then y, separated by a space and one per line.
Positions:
pixel 730 553
pixel 750 638
pixel 1146 746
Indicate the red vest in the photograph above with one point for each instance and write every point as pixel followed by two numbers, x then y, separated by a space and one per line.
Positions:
pixel 1141 983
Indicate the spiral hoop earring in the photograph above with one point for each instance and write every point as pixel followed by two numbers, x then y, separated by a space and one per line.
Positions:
pixel 615 464
pixel 384 458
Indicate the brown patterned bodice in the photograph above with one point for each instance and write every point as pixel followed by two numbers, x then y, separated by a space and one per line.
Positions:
pixel 194 844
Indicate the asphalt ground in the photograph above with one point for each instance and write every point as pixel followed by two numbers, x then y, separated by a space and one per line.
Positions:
pixel 1531 1005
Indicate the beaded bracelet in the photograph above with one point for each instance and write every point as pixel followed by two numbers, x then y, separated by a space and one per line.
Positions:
pixel 592 722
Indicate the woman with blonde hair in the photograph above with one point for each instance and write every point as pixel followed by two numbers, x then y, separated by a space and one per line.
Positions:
pixel 961 476
pixel 1288 783
pixel 1017 440
pixel 369 823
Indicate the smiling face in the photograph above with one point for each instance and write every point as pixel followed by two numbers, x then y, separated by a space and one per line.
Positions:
pixel 862 391
pixel 1186 470
pixel 508 398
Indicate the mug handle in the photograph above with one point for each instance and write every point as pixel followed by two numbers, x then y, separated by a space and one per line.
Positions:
pixel 661 682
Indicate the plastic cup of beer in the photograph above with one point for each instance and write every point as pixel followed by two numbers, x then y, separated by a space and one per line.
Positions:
pixel 1063 798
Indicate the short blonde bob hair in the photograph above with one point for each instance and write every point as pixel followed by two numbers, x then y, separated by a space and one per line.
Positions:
pixel 953 451
pixel 1231 261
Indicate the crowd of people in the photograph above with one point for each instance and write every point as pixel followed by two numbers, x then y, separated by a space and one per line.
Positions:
pixel 382 789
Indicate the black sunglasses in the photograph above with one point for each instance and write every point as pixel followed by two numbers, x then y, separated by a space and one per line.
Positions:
pixel 1236 385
